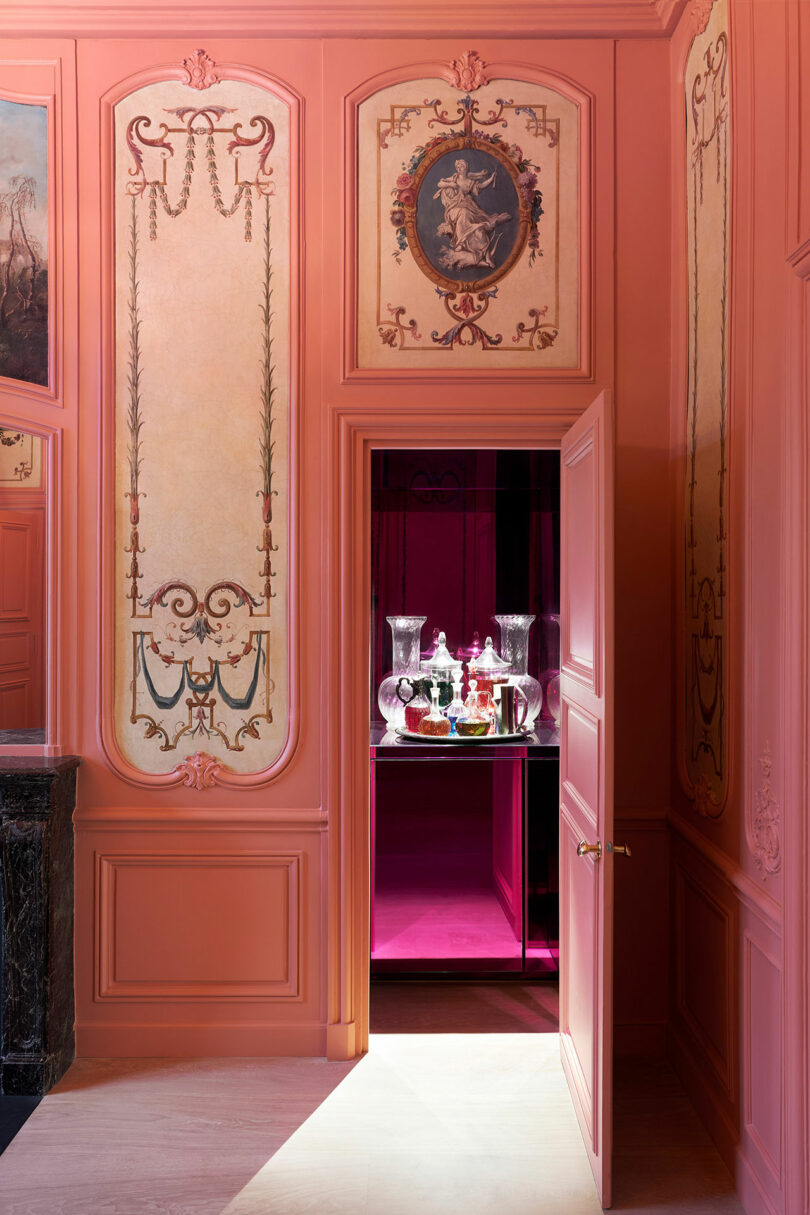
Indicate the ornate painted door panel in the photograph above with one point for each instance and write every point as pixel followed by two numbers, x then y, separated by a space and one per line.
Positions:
pixel 586 779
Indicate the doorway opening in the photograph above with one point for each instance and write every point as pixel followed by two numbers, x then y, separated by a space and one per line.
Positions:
pixel 465 565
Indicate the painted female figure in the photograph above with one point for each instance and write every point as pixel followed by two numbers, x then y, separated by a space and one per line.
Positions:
pixel 469 227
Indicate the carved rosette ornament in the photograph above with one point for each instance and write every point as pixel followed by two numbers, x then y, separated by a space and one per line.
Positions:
pixel 467 72
pixel 763 826
pixel 199 771
pixel 701 12
pixel 200 70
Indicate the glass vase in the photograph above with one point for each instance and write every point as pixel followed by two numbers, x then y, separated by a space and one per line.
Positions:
pixel 515 650
pixel 407 643
pixel 550 677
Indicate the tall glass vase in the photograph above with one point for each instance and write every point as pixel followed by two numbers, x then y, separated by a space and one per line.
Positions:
pixel 407 643
pixel 515 650
pixel 550 677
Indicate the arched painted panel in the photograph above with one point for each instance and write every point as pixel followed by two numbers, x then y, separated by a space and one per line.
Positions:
pixel 202 389
pixel 470 206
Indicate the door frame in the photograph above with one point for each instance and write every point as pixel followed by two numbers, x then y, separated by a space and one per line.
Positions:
pixel 355 432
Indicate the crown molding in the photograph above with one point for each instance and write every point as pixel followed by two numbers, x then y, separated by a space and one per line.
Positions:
pixel 328 19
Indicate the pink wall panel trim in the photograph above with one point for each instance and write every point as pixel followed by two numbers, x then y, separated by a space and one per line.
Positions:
pixel 198 927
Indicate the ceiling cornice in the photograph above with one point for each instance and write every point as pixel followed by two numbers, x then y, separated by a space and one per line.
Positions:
pixel 328 19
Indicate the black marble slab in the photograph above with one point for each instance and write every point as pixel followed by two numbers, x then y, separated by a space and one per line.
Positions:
pixel 37 797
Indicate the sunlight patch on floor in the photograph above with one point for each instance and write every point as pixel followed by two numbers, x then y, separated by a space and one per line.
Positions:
pixel 436 1124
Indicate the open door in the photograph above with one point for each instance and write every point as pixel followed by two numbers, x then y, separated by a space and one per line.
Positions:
pixel 586 779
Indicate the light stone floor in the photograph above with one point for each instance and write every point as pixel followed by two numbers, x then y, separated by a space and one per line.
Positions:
pixel 436 1125
pixel 425 1124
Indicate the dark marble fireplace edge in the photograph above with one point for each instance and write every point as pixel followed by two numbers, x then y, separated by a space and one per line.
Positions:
pixel 37 798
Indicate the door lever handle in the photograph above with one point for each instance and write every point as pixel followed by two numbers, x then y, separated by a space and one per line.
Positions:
pixel 624 849
pixel 584 849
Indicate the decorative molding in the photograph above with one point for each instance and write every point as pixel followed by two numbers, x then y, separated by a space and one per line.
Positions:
pixel 799 259
pixel 355 430
pixel 763 821
pixel 749 891
pixel 524 19
pixel 199 771
pixel 467 72
pixel 110 986
pixel 193 819
pixel 700 12
pixel 199 68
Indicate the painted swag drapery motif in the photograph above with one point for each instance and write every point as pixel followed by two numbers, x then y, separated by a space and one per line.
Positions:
pixel 202 345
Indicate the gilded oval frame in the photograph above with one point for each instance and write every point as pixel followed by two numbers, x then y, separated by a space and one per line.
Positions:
pixel 410 209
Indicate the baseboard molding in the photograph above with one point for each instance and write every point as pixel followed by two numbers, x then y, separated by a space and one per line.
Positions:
pixel 341 1040
pixel 749 1189
pixel 640 1038
pixel 708 1102
pixel 222 1040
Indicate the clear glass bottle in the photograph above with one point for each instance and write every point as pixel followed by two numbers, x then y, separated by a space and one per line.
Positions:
pixel 515 651
pixel 455 709
pixel 435 723
pixel 406 631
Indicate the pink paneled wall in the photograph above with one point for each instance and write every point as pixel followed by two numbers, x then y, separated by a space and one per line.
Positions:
pixel 735 1013
pixel 205 918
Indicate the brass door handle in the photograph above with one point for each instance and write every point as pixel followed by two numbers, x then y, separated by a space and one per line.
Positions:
pixel 624 849
pixel 584 849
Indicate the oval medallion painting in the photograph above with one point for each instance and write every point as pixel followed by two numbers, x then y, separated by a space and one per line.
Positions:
pixel 467 222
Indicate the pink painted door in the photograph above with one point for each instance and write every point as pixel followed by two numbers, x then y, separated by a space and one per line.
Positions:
pixel 586 779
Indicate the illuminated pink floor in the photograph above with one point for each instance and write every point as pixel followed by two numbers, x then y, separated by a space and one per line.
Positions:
pixel 441 923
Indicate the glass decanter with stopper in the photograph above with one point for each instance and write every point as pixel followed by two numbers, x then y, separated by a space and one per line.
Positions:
pixel 488 668
pixel 455 709
pixel 479 713
pixel 443 669
pixel 435 723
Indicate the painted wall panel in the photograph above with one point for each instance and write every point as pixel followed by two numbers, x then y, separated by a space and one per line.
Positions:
pixel 471 188
pixel 708 212
pixel 202 435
